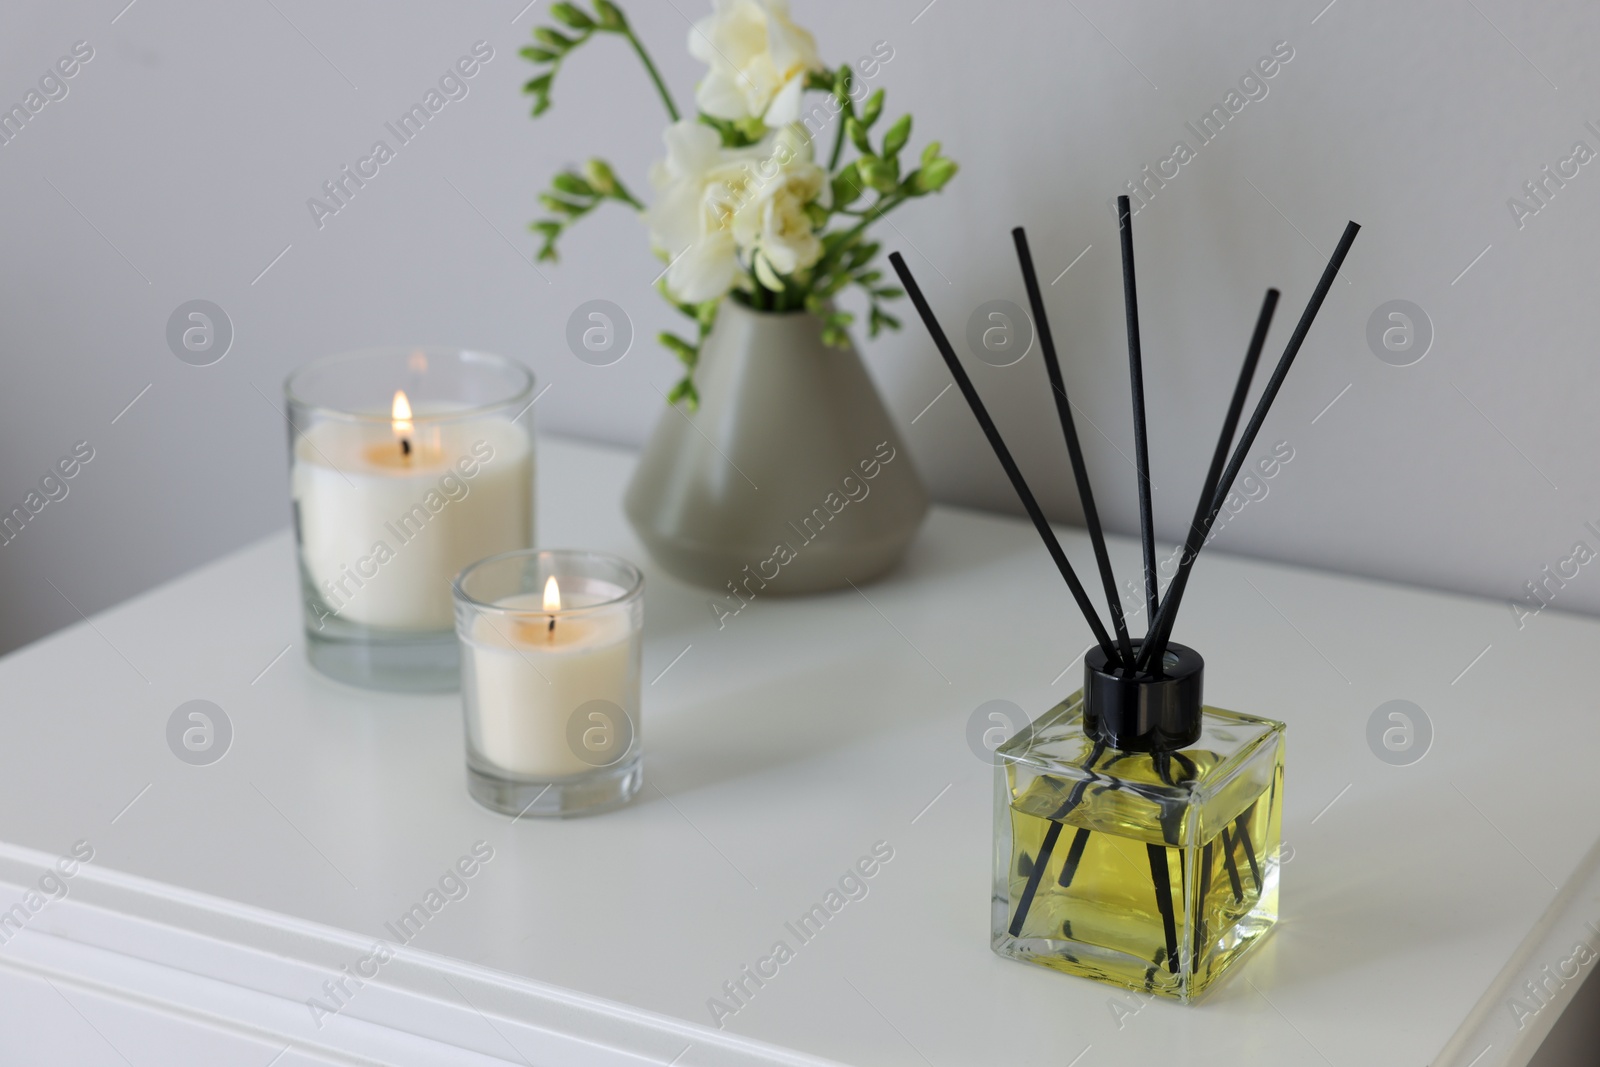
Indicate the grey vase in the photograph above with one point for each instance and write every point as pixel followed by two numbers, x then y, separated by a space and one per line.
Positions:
pixel 790 478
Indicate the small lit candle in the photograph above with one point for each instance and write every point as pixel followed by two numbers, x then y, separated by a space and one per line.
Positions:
pixel 530 673
pixel 550 679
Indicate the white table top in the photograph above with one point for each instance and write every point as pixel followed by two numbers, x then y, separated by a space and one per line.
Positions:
pixel 778 751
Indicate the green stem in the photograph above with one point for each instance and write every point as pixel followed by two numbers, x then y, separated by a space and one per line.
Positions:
pixel 650 68
pixel 872 214
pixel 838 137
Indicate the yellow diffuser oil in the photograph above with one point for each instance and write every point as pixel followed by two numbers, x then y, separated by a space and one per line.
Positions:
pixel 1154 870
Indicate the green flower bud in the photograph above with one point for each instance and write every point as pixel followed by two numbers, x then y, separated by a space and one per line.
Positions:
pixel 600 177
pixel 686 392
pixel 611 16
pixel 858 135
pixel 553 40
pixel 568 15
pixel 538 55
pixel 752 129
pixel 561 207
pixel 539 88
pixel 687 353
pixel 897 136
pixel 572 185
pixel 872 109
pixel 881 174
pixel 935 175
pixel 847 186
pixel 930 153
pixel 863 253
pixel 882 320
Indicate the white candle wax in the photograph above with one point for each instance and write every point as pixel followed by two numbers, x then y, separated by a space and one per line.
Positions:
pixel 526 680
pixel 383 530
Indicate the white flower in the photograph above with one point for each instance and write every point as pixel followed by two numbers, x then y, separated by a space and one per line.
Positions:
pixel 719 210
pixel 772 228
pixel 700 185
pixel 758 60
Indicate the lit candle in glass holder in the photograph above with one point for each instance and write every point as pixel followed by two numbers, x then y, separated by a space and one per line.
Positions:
pixel 550 680
pixel 394 496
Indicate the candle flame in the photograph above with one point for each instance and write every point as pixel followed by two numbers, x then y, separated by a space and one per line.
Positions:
pixel 400 412
pixel 552 594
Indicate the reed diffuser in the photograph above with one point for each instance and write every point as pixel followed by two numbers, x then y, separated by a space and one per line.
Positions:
pixel 1137 829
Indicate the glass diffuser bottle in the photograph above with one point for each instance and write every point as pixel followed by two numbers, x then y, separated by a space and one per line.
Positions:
pixel 1136 829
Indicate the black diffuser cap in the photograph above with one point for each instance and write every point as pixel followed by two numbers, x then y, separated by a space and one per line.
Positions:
pixel 1152 711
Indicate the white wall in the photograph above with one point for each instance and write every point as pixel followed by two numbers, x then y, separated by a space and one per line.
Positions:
pixel 180 163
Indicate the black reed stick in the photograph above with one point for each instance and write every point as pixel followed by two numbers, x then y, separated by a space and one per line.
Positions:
pixel 1241 390
pixel 1080 473
pixel 1141 440
pixel 1161 629
pixel 1047 846
pixel 1241 833
pixel 1040 862
pixel 1228 844
pixel 1069 867
pixel 1003 454
pixel 1230 422
pixel 1200 942
pixel 1161 875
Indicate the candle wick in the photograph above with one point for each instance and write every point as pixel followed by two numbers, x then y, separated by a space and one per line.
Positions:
pixel 552 628
pixel 405 446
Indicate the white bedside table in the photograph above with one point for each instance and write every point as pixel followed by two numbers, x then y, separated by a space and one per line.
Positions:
pixel 779 750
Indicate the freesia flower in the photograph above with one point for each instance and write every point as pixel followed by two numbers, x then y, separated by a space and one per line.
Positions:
pixel 720 209
pixel 758 60
pixel 699 186
pixel 773 229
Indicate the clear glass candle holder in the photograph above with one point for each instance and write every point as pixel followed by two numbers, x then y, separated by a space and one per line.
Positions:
pixel 550 652
pixel 405 465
